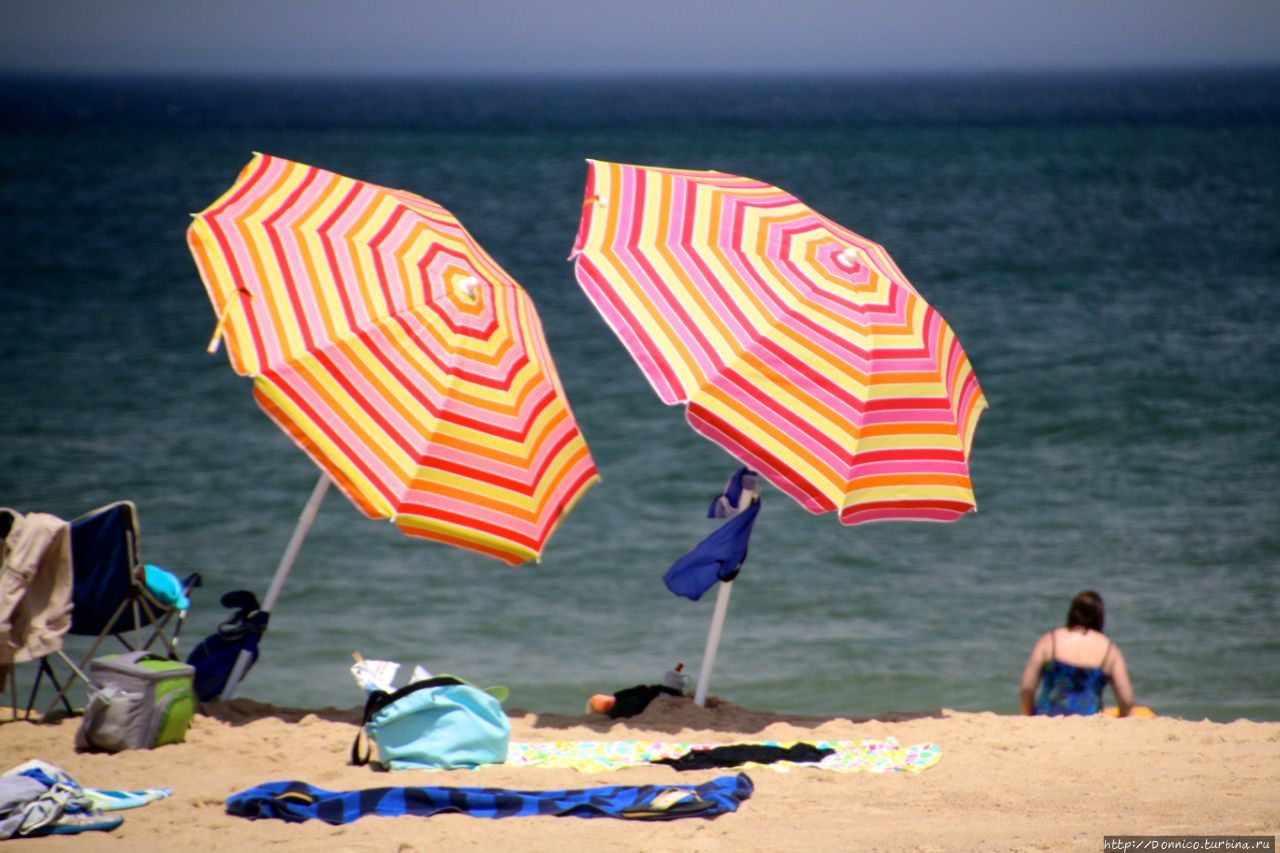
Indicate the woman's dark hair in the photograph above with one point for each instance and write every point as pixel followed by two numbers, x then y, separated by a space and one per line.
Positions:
pixel 1086 611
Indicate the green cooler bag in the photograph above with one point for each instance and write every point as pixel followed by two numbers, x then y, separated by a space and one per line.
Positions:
pixel 139 701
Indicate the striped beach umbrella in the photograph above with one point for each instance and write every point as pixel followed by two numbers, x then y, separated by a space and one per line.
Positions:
pixel 396 353
pixel 794 343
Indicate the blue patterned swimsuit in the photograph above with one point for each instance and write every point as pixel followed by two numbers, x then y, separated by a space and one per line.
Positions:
pixel 1067 690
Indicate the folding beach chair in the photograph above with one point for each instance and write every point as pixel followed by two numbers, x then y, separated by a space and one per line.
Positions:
pixel 110 598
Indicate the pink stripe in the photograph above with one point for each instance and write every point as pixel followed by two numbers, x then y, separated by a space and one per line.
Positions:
pixel 914 466
pixel 539 457
pixel 909 416
pixel 375 397
pixel 268 344
pixel 337 234
pixel 620 211
pixel 774 475
pixel 443 504
pixel 782 425
pixel 813 380
pixel 684 328
pixel 855 516
pixel 721 304
pixel 364 396
pixel 699 348
pixel 306 289
pixel 382 246
pixel 328 423
pixel 438 506
pixel 631 333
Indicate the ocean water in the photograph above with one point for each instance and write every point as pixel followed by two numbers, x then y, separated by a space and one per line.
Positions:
pixel 1107 249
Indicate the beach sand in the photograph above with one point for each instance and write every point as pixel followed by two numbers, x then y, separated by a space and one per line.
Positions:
pixel 1003 783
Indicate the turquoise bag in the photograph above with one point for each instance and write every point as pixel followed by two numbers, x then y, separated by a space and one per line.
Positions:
pixel 442 723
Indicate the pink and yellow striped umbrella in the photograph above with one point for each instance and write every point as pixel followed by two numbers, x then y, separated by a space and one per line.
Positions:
pixel 396 353
pixel 796 344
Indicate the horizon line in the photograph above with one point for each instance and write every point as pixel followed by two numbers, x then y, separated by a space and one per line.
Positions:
pixel 636 74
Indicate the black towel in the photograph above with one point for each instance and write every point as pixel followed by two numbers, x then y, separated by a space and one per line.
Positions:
pixel 735 754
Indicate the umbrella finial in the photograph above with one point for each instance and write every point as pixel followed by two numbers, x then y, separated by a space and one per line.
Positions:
pixel 848 259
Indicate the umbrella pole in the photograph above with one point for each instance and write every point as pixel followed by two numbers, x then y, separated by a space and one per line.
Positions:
pixel 713 642
pixel 282 573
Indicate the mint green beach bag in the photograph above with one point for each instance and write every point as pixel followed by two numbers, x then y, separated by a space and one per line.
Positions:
pixel 442 723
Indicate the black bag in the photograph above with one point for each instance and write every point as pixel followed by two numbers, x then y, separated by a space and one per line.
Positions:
pixel 216 655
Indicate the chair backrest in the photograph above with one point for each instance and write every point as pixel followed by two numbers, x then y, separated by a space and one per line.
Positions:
pixel 104 554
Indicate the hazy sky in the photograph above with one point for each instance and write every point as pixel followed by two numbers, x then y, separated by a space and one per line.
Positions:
pixel 601 36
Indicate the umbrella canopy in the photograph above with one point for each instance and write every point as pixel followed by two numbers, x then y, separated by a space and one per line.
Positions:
pixel 396 353
pixel 796 344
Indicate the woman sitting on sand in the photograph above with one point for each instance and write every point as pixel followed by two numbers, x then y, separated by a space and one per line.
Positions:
pixel 1073 664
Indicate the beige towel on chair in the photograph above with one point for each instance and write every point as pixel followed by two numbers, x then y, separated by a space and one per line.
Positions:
pixel 35 587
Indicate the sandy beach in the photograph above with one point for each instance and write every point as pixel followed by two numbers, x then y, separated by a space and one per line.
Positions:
pixel 1003 783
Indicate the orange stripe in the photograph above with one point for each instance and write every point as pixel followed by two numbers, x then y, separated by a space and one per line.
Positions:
pixel 880 480
pixel 304 441
pixel 312 374
pixel 556 469
pixel 221 288
pixel 805 349
pixel 371 289
pixel 643 309
pixel 513 558
pixel 911 377
pixel 909 428
pixel 456 389
pixel 470 498
pixel 417 418
pixel 766 435
pixel 244 230
pixel 324 297
pixel 706 314
pixel 532 444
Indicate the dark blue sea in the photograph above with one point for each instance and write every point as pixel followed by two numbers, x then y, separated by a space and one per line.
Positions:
pixel 1106 247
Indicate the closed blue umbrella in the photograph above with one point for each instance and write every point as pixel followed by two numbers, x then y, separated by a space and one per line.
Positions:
pixel 718 559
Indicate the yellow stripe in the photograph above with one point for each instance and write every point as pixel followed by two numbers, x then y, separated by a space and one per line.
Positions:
pixel 325 447
pixel 933 492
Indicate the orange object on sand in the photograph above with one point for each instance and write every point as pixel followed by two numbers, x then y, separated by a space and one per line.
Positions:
pixel 601 703
pixel 1138 711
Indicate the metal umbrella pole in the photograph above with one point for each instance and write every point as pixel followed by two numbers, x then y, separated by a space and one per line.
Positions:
pixel 282 574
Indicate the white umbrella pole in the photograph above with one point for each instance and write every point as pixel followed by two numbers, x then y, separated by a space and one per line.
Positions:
pixel 713 642
pixel 282 574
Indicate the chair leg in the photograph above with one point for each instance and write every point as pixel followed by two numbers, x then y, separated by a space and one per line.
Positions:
pixel 137 625
pixel 157 623
pixel 41 671
pixel 62 688
pixel 110 624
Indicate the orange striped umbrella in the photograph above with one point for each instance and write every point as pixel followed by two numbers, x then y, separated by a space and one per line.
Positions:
pixel 396 353
pixel 796 344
